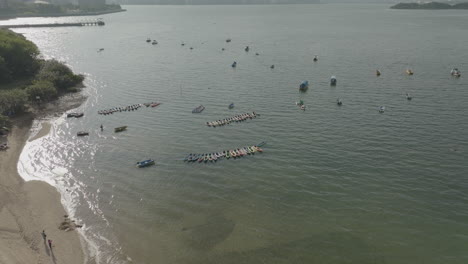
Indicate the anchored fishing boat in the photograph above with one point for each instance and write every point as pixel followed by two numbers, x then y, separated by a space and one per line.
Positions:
pixel 120 129
pixel 145 163
pixel 82 133
pixel 304 86
pixel 198 109
pixel 231 106
pixel 75 115
pixel 455 72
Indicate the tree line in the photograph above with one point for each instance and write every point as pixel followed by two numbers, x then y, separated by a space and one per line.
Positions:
pixel 26 79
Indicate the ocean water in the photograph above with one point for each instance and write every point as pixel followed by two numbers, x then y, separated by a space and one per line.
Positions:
pixel 334 184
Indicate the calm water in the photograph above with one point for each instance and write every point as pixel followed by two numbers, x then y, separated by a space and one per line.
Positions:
pixel 334 184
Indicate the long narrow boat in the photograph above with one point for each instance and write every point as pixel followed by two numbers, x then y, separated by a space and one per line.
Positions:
pixel 198 109
pixel 120 129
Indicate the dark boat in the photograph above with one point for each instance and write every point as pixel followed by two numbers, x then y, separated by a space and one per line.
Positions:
pixel 82 134
pixel 231 106
pixel 272 66
pixel 234 64
pixel 228 40
pixel 315 58
pixel 304 86
pixel 145 163
pixel 198 109
pixel 339 102
pixel 148 40
pixel 247 49
pixel 333 81
pixel 120 129
pixel 75 115
pixel 154 42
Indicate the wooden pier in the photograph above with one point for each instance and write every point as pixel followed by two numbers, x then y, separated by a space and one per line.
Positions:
pixel 75 24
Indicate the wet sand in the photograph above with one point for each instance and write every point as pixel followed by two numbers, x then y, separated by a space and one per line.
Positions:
pixel 27 208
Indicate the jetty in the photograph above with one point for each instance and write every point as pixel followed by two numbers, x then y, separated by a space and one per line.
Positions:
pixel 74 24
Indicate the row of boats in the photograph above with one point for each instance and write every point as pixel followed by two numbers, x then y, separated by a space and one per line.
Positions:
pixel 234 153
pixel 236 118
pixel 120 109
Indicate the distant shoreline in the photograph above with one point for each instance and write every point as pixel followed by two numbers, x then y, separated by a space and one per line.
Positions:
pixel 104 12
pixel 431 6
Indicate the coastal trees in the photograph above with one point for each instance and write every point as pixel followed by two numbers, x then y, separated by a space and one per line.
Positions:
pixel 59 75
pixel 19 56
pixel 12 101
pixel 43 90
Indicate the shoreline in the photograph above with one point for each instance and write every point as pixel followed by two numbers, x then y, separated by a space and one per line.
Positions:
pixel 105 12
pixel 28 207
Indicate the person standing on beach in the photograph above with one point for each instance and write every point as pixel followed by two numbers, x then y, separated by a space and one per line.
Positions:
pixel 44 236
pixel 50 244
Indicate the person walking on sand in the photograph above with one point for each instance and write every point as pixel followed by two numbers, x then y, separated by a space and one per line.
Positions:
pixel 50 244
pixel 44 236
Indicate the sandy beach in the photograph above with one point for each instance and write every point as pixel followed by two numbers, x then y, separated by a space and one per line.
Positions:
pixel 27 208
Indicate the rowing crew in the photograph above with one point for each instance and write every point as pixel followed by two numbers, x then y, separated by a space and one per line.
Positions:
pixel 235 153
pixel 237 118
pixel 120 109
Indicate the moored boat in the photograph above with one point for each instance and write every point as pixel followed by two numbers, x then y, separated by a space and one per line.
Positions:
pixel 145 163
pixel 120 129
pixel 333 81
pixel 378 73
pixel 198 109
pixel 231 106
pixel 455 72
pixel 75 115
pixel 382 109
pixel 304 86
pixel 409 72
pixel 234 64
pixel 82 133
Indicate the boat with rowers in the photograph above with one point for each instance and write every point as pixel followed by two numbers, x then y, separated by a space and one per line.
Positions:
pixel 234 153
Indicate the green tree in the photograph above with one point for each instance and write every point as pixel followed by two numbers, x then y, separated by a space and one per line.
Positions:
pixel 5 74
pixel 12 101
pixel 59 74
pixel 44 90
pixel 18 53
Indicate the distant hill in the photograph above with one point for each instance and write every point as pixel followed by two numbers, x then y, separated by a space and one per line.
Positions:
pixel 216 2
pixel 431 5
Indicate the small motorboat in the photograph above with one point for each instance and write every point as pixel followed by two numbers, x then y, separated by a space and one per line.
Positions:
pixel 198 109
pixel 148 40
pixel 231 106
pixel 272 66
pixel 339 102
pixel 145 163
pixel 409 72
pixel 82 133
pixel 75 115
pixel 155 104
pixel 154 42
pixel 120 129
pixel 333 81
pixel 222 49
pixel 381 109
pixel 247 49
pixel 101 49
pixel 408 97
pixel 455 72
pixel 182 44
pixel 256 54
pixel 304 86
pixel 234 64
pixel 377 72
pixel 315 58
pixel 228 40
